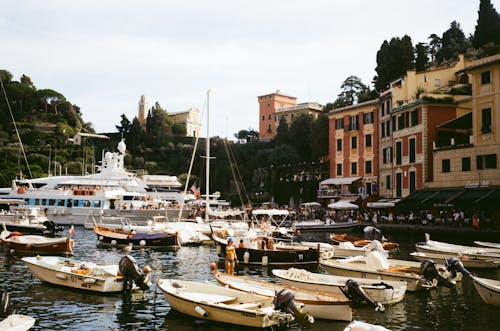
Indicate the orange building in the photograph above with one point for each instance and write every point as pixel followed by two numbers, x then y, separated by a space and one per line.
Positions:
pixel 268 104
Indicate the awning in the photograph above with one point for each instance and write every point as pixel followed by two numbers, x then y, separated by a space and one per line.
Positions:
pixel 460 123
pixel 469 197
pixel 339 181
pixel 343 204
pixel 490 200
pixel 383 203
pixel 441 198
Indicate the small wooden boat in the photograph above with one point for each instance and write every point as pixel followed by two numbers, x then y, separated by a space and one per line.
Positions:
pixel 16 322
pixel 360 242
pixel 432 246
pixel 318 225
pixel 319 305
pixel 138 238
pixel 77 274
pixel 262 251
pixel 487 244
pixel 376 266
pixel 488 289
pixel 468 262
pixel 384 292
pixel 220 304
pixel 29 220
pixel 36 244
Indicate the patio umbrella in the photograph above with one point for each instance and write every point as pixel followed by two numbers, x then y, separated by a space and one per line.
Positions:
pixel 343 204
pixel 311 204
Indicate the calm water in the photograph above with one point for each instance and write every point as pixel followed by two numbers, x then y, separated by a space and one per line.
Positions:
pixel 55 308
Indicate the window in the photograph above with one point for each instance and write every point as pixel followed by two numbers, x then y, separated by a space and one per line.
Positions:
pixel 353 123
pixel 398 152
pixel 382 108
pixel 437 82
pixel 486 161
pixel 382 129
pixel 354 142
pixel 413 178
pixel 339 144
pixel 401 122
pixel 368 167
pixel 368 140
pixel 263 117
pixel 269 117
pixel 407 119
pixel 413 154
pixel 393 124
pixel 486 120
pixel 446 165
pixel 354 168
pixel 339 124
pixel 485 78
pixel 367 118
pixel 399 184
pixel 388 107
pixel 466 164
pixel 388 128
pixel 388 182
pixel 414 117
pixel 339 169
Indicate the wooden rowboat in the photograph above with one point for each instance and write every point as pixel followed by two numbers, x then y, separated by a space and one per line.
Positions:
pixel 220 304
pixel 384 292
pixel 76 274
pixel 488 290
pixel 319 305
pixel 146 238
pixel 36 244
pixel 360 242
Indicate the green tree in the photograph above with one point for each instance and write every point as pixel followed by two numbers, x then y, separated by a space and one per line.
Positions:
pixel 353 91
pixel 421 57
pixel 453 42
pixel 434 46
pixel 179 129
pixel 300 136
pixel 50 97
pixel 157 124
pixel 319 137
pixel 284 154
pixel 5 76
pixel 125 125
pixel 27 81
pixel 488 25
pixel 282 136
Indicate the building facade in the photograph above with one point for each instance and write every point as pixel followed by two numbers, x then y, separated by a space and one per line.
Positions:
pixel 191 118
pixel 268 105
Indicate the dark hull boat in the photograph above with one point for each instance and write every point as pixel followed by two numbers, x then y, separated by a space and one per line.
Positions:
pixel 325 226
pixel 117 237
pixel 36 245
pixel 253 252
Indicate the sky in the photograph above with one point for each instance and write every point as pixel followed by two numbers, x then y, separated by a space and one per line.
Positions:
pixel 102 55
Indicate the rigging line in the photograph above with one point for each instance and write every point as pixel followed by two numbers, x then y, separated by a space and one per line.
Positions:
pixel 232 171
pixel 239 176
pixel 15 127
pixel 188 175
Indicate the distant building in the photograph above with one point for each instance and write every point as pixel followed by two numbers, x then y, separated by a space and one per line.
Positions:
pixel 77 138
pixel 268 105
pixel 141 116
pixel 191 118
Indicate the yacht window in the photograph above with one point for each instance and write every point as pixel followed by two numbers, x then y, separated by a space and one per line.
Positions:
pixel 52 202
pixel 61 202
pixel 37 202
pixel 69 203
pixel 97 203
pixel 87 203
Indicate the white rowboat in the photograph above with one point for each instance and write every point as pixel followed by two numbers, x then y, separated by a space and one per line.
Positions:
pixel 220 304
pixel 468 262
pixel 487 244
pixel 488 289
pixel 17 322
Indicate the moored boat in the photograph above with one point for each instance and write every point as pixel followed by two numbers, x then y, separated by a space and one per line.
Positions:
pixel 328 225
pixel 418 275
pixel 261 250
pixel 220 304
pixel 384 292
pixel 469 262
pixel 488 290
pixel 16 322
pixel 487 244
pixel 36 244
pixel 137 238
pixel 454 250
pixel 360 242
pixel 77 274
pixel 319 305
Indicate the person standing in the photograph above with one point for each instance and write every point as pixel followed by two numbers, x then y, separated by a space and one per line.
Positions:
pixel 230 256
pixel 475 221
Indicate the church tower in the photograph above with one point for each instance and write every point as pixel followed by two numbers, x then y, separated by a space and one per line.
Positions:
pixel 141 117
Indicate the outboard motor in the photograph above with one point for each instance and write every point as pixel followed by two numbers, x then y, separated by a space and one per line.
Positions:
pixel 51 228
pixel 454 266
pixel 430 272
pixel 284 301
pixel 356 294
pixel 372 233
pixel 133 274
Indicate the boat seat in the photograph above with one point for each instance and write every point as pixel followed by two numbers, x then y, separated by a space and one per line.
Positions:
pixel 207 297
pixel 249 305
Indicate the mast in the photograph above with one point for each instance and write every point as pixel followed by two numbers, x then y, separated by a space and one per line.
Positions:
pixel 207 170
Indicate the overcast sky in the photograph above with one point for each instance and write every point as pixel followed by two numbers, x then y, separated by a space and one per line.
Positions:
pixel 104 54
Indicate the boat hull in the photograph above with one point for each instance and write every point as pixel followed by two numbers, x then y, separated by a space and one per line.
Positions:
pixel 116 237
pixel 17 322
pixel 468 262
pixel 343 226
pixel 74 280
pixel 22 245
pixel 377 293
pixel 488 290
pixel 423 248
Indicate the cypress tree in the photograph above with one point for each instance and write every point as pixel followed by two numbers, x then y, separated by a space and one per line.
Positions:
pixel 488 25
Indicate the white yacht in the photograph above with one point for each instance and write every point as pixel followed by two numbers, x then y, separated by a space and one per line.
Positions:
pixel 112 191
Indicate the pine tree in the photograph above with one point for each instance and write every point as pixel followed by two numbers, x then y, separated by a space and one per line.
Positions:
pixel 421 58
pixel 488 25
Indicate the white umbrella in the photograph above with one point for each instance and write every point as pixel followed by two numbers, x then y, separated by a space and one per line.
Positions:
pixel 343 204
pixel 311 204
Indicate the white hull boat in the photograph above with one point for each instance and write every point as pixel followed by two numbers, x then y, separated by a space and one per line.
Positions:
pixel 432 246
pixel 16 322
pixel 318 305
pixel 220 304
pixel 488 290
pixel 77 274
pixel 376 266
pixel 487 244
pixel 363 326
pixel 468 262
pixel 386 292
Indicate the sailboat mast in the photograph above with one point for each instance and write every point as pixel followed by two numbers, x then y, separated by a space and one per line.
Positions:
pixel 207 176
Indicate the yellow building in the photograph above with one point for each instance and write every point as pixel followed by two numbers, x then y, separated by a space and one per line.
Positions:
pixel 191 118
pixel 312 109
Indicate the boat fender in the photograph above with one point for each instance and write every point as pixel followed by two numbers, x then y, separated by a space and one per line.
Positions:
pixel 246 257
pixel 265 260
pixel 142 243
pixel 202 312
pixel 113 242
pixel 61 276
pixel 356 294
pixel 430 272
pixel 101 238
pixel 284 300
pixel 455 266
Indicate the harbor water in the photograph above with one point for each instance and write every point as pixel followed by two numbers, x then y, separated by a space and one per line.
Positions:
pixel 56 308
